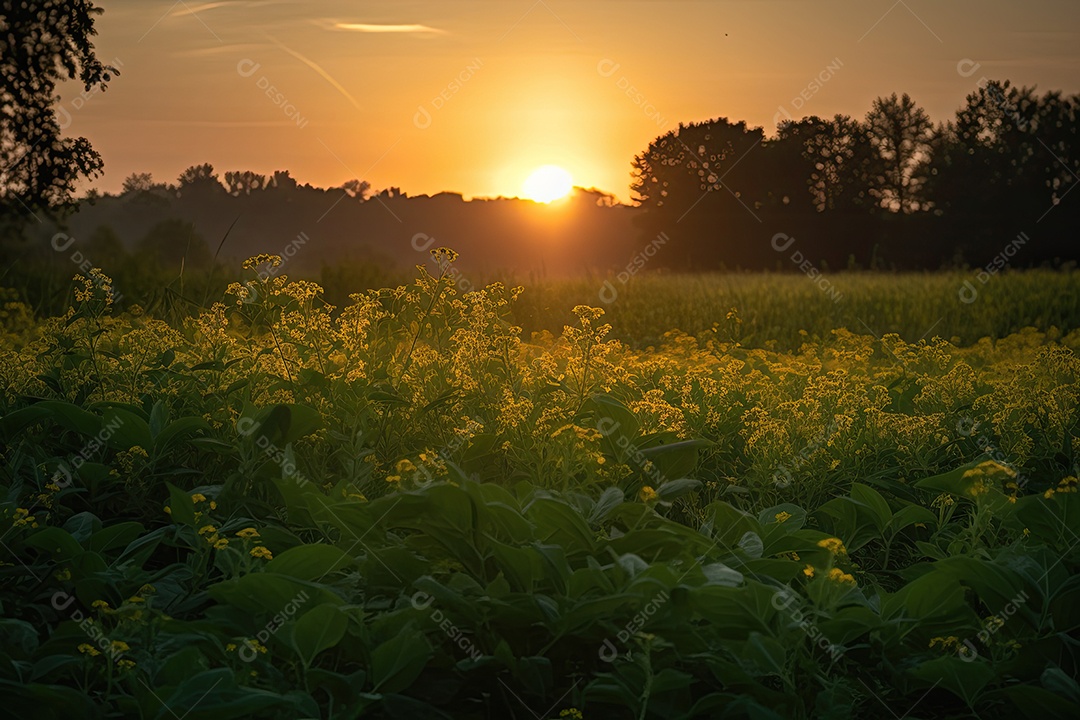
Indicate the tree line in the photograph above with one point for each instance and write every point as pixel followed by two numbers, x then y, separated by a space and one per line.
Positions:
pixel 892 190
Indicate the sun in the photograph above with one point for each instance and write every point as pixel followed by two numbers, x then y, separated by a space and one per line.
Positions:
pixel 547 184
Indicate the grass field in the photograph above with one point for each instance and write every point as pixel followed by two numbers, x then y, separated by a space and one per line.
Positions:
pixel 758 501
pixel 782 311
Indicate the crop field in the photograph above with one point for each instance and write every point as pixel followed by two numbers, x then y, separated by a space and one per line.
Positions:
pixel 745 497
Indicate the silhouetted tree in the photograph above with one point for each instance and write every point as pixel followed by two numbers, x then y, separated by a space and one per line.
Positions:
pixel 699 185
pixel 281 180
pixel 841 153
pixel 244 183
pixel 900 133
pixel 198 179
pixel 41 43
pixel 137 183
pixel 357 188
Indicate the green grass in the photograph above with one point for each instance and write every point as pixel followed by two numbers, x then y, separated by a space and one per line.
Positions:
pixel 776 308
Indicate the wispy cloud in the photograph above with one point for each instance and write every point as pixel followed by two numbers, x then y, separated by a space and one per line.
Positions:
pixel 376 28
pixel 219 50
pixel 317 68
pixel 181 9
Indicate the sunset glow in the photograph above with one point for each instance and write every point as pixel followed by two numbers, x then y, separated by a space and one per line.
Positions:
pixel 554 358
pixel 547 184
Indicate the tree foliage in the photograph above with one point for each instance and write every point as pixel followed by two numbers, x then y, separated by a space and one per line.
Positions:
pixel 892 188
pixel 42 43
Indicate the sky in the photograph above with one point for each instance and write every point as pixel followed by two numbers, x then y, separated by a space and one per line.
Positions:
pixel 470 96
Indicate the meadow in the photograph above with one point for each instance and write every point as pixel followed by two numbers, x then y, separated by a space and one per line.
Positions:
pixel 705 497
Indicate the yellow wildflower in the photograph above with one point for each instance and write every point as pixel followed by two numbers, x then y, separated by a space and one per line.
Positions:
pixel 782 516
pixel 256 645
pixel 839 576
pixel 808 571
pixel 262 552
pixel 88 649
pixel 248 533
pixel 647 494
pixel 945 642
pixel 833 545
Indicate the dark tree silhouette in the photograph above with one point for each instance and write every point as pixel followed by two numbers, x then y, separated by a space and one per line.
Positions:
pixel 282 180
pixel 698 185
pixel 244 183
pixel 42 43
pixel 358 189
pixel 900 133
pixel 198 179
pixel 137 183
pixel 1006 165
pixel 840 153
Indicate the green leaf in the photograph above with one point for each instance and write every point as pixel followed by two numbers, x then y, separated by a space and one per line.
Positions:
pixel 675 460
pixel 178 429
pixel 58 543
pixel 126 430
pixel 910 515
pixel 267 592
pixel 965 679
pixel 310 562
pixel 396 663
pixel 181 506
pixel 214 695
pixel 159 417
pixel 618 425
pixel 673 489
pixel 961 481
pixel 871 499
pixel 319 629
pixel 608 501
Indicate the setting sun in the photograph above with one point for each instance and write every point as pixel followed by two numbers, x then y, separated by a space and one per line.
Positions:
pixel 547 184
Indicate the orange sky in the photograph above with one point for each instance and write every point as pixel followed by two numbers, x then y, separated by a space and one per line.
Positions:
pixel 432 95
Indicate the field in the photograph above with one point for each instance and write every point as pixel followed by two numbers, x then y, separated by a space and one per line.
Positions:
pixel 744 498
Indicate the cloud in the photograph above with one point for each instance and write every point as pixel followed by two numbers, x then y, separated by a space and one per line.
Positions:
pixel 186 9
pixel 375 28
pixel 317 68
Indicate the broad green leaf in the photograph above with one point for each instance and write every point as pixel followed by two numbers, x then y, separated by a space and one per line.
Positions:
pixel 673 489
pixel 396 663
pixel 318 629
pixel 310 562
pixel 965 679
pixel 871 499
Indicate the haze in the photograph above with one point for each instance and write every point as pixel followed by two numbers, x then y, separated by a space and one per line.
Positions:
pixel 472 96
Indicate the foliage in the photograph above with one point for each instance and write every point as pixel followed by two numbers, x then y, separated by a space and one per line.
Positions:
pixel 43 43
pixel 891 189
pixel 405 508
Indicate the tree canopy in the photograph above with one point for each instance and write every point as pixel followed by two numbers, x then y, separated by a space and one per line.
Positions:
pixel 41 44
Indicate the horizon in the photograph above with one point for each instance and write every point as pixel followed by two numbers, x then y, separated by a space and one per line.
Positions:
pixel 470 98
